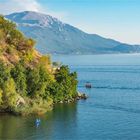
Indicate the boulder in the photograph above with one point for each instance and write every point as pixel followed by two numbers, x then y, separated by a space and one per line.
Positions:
pixel 81 96
pixel 20 101
pixel 61 102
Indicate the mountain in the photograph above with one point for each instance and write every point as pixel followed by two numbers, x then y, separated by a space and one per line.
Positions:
pixel 56 37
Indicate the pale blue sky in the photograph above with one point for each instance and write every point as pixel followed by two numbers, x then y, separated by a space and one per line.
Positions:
pixel 117 19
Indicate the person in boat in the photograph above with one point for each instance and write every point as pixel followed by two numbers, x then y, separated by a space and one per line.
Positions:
pixel 88 85
pixel 37 122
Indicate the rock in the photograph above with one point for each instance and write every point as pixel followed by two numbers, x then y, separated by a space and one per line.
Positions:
pixel 84 96
pixel 78 98
pixel 81 96
pixel 68 101
pixel 61 102
pixel 20 101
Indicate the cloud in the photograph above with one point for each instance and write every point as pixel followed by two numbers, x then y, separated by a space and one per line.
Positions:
pixel 11 6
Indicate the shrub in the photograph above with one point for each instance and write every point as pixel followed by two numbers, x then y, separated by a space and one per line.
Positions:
pixel 19 75
pixel 1 93
pixel 9 94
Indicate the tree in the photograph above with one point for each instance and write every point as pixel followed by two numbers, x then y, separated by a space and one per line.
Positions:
pixel 38 80
pixel 57 64
pixel 1 94
pixel 15 38
pixel 65 85
pixel 30 43
pixel 2 36
pixel 4 74
pixel 19 75
pixel 7 25
pixel 9 94
pixel 45 61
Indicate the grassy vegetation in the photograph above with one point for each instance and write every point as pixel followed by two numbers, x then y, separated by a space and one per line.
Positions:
pixel 28 84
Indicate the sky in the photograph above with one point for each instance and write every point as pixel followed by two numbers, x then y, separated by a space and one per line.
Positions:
pixel 116 19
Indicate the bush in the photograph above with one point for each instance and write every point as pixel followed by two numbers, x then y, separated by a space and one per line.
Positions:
pixel 9 94
pixel 19 75
pixel 4 74
pixel 1 93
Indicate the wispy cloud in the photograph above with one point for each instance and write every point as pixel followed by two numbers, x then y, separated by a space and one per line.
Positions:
pixel 19 5
pixel 10 6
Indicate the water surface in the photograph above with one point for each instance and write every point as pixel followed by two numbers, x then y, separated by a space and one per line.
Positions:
pixel 112 110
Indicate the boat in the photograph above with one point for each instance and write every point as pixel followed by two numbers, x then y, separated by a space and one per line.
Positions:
pixel 88 85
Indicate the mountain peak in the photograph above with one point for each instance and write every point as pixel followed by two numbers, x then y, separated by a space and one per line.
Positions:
pixel 32 18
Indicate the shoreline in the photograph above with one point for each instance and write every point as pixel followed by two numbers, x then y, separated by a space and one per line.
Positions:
pixel 40 110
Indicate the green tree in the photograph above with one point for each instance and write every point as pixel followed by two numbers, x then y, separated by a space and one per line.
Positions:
pixel 65 85
pixel 38 80
pixel 1 94
pixel 4 74
pixel 15 38
pixel 9 94
pixel 7 26
pixel 19 75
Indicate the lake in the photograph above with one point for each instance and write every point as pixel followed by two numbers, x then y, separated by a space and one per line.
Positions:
pixel 112 110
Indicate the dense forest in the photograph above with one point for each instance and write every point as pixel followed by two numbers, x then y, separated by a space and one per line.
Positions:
pixel 29 82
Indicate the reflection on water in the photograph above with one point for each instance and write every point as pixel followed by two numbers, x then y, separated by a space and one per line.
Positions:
pixel 63 116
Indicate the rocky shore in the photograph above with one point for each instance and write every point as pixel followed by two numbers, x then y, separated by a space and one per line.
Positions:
pixel 80 96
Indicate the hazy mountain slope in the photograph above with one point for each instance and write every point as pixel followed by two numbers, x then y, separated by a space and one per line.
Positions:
pixel 61 38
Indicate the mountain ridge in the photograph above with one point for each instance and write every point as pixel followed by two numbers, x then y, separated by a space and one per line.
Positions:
pixel 62 38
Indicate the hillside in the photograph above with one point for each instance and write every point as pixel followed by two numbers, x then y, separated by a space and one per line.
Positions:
pixel 54 36
pixel 28 82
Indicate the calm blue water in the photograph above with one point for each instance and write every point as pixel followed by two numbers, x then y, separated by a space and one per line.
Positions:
pixel 112 111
